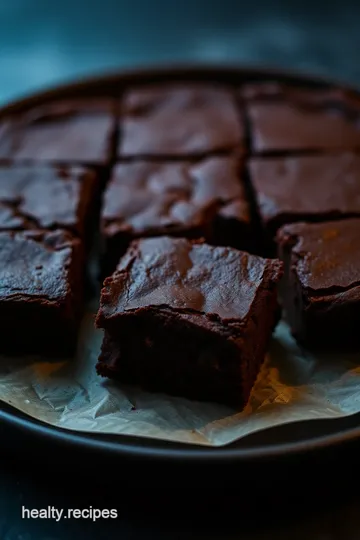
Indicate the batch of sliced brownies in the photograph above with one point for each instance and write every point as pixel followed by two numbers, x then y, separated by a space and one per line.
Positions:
pixel 219 205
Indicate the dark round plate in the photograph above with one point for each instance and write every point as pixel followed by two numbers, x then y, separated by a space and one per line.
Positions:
pixel 280 442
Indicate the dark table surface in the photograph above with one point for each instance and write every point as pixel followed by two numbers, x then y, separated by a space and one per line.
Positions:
pixel 43 43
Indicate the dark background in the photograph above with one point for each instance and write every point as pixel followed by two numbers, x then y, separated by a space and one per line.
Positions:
pixel 42 43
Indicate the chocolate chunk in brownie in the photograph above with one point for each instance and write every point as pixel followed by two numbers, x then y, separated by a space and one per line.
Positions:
pixel 286 119
pixel 71 131
pixel 40 292
pixel 179 120
pixel 188 319
pixel 321 290
pixel 305 188
pixel 153 198
pixel 45 197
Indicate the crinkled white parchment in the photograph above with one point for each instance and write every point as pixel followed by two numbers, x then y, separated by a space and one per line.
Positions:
pixel 292 386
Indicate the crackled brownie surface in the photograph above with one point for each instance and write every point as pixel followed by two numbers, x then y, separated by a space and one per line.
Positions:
pixel 188 276
pixel 153 198
pixel 179 120
pixel 45 197
pixel 40 291
pixel 66 131
pixel 313 188
pixel 300 120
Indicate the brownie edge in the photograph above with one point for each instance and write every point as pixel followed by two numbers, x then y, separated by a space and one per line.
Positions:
pixel 321 288
pixel 188 319
pixel 41 292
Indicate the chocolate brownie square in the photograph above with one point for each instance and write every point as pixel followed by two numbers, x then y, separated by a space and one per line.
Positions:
pixel 188 319
pixel 321 290
pixel 179 120
pixel 154 198
pixel 285 119
pixel 305 188
pixel 67 131
pixel 47 197
pixel 40 292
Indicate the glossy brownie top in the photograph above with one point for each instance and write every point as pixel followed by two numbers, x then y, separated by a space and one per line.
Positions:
pixel 35 266
pixel 299 187
pixel 154 196
pixel 187 277
pixel 62 131
pixel 45 197
pixel 179 120
pixel 288 119
pixel 325 256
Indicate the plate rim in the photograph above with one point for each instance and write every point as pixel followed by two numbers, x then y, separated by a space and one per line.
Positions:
pixel 124 447
pixel 186 453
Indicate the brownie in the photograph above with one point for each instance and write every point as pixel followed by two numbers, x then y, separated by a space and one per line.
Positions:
pixel 152 198
pixel 233 225
pixel 188 319
pixel 317 95
pixel 321 290
pixel 179 120
pixel 67 131
pixel 47 197
pixel 40 292
pixel 305 188
pixel 298 120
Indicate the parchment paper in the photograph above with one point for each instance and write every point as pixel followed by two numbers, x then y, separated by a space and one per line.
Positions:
pixel 292 386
